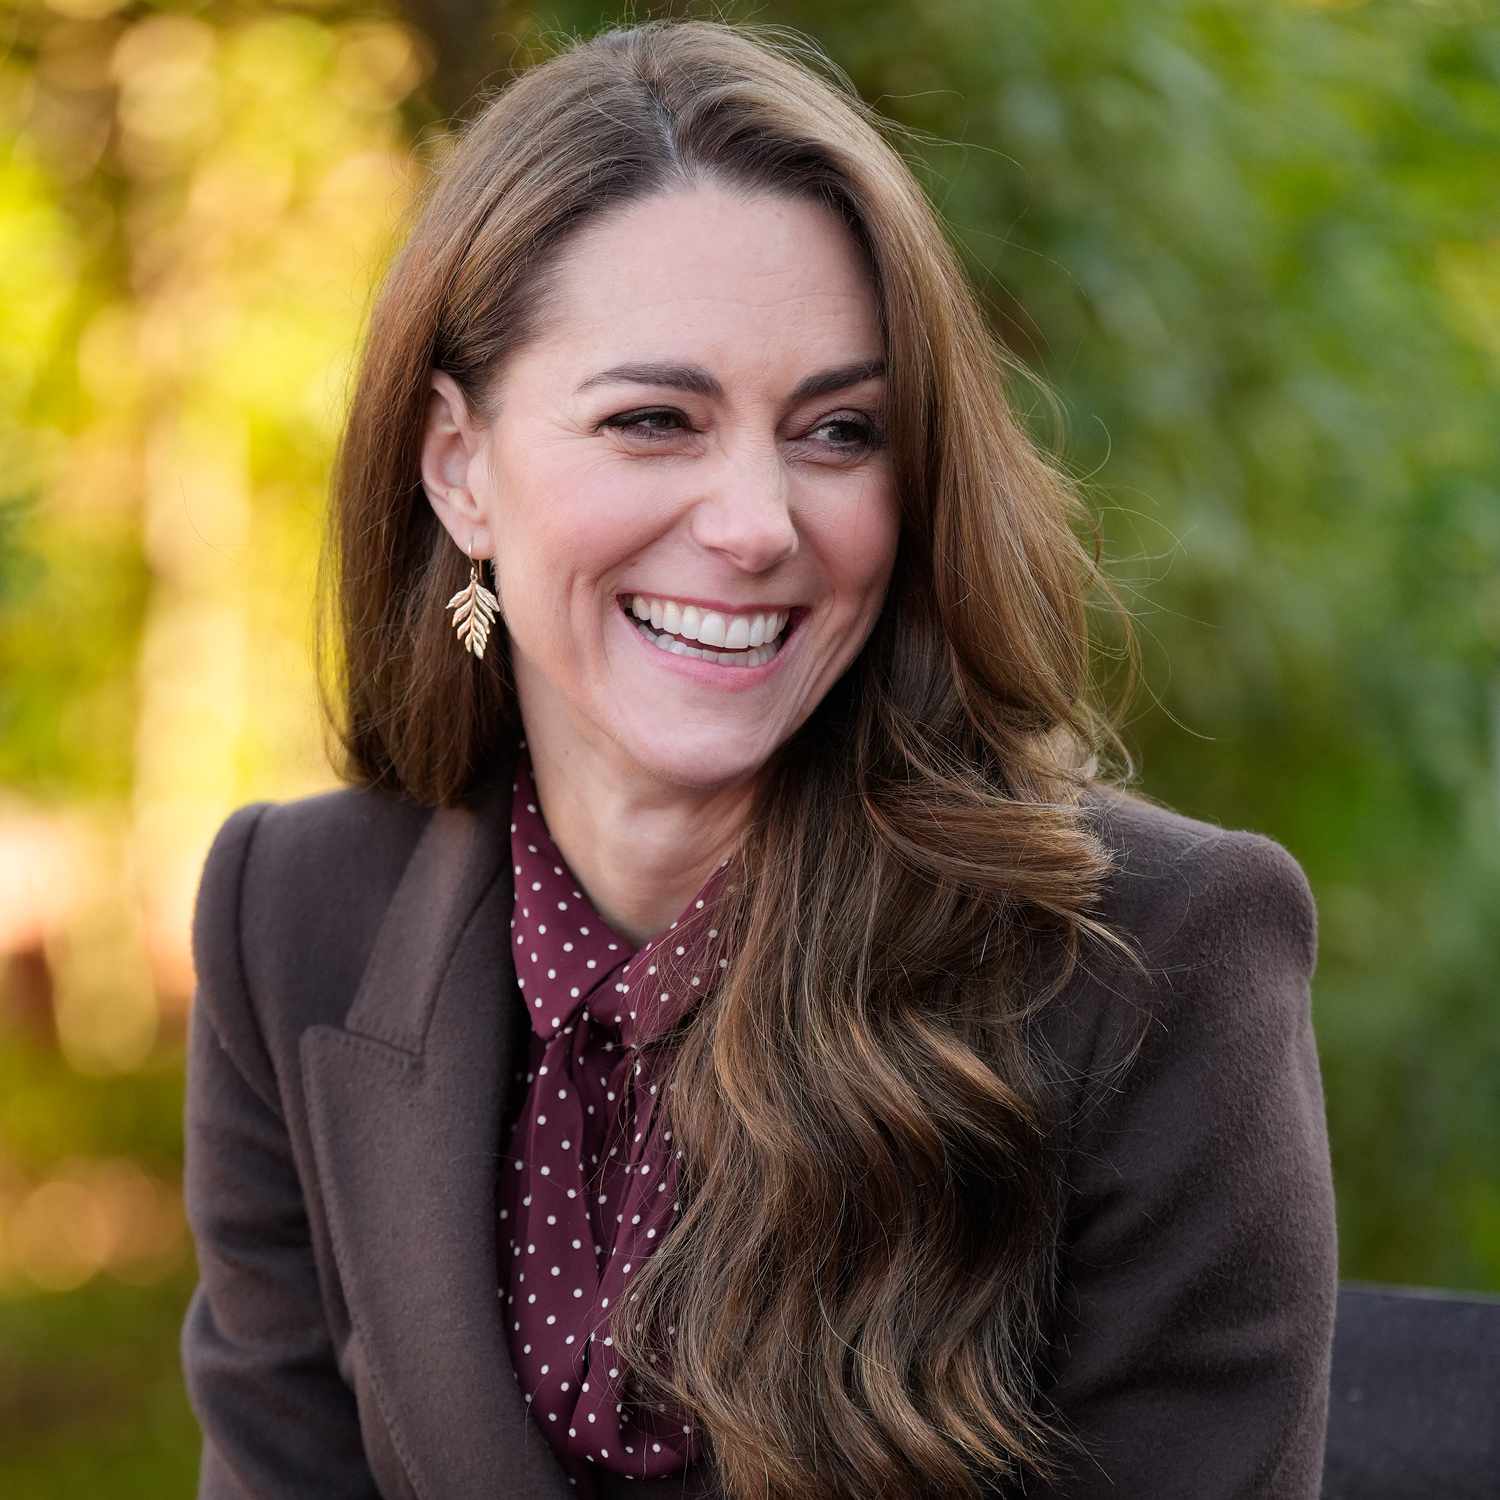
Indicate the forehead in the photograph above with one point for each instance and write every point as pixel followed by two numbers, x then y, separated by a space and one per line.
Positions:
pixel 747 280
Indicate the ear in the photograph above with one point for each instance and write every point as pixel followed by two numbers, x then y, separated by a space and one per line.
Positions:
pixel 451 456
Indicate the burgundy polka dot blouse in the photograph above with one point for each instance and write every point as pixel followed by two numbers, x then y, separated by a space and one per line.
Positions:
pixel 588 1169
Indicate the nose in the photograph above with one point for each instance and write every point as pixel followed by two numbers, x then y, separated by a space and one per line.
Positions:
pixel 747 519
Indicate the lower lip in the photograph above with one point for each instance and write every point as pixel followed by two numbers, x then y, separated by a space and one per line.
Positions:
pixel 715 674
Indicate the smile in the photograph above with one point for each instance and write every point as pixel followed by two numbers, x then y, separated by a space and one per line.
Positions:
pixel 747 639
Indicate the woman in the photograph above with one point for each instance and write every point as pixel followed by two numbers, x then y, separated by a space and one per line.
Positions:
pixel 673 1064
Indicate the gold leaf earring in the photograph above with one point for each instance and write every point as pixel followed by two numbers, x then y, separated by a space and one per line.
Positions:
pixel 473 609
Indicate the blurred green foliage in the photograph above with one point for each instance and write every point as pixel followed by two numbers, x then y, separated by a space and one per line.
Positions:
pixel 1251 244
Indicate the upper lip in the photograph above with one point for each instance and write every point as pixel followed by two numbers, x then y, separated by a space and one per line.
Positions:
pixel 717 605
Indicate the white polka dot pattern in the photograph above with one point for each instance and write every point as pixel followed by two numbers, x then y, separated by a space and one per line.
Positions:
pixel 588 1175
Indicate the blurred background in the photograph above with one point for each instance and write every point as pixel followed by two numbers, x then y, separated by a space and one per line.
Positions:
pixel 1252 247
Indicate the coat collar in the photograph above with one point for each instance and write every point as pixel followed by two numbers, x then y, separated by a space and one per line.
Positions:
pixel 405 1103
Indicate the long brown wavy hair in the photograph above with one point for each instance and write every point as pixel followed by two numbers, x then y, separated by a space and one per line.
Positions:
pixel 856 1294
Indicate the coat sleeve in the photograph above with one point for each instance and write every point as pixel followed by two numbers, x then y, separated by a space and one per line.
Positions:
pixel 1199 1263
pixel 276 1415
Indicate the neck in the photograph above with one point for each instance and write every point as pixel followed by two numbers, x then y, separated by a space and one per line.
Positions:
pixel 640 848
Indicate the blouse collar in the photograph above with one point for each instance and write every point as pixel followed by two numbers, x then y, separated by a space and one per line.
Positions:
pixel 569 959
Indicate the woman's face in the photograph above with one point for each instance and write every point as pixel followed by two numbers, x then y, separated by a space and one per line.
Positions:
pixel 685 489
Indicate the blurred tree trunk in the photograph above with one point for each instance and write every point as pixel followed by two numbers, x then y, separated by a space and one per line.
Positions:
pixel 475 43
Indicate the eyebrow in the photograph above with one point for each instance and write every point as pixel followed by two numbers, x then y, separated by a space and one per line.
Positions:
pixel 700 382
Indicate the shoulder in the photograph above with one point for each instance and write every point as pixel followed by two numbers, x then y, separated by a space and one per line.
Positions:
pixel 1182 885
pixel 1223 926
pixel 311 860
pixel 288 902
pixel 345 823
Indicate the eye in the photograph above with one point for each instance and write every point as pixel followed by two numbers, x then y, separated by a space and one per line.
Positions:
pixel 867 436
pixel 634 422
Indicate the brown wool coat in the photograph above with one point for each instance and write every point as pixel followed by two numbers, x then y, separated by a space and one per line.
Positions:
pixel 350 1052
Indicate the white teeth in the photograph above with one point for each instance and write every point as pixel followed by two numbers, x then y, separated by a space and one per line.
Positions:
pixel 711 628
pixel 756 656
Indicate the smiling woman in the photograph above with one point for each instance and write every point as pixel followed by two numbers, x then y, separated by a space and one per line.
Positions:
pixel 669 1065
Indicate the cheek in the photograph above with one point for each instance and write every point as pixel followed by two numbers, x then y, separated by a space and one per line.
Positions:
pixel 557 545
pixel 864 549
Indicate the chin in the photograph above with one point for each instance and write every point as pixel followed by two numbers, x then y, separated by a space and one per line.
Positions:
pixel 702 762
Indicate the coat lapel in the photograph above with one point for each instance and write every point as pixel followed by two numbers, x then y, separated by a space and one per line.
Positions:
pixel 405 1103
